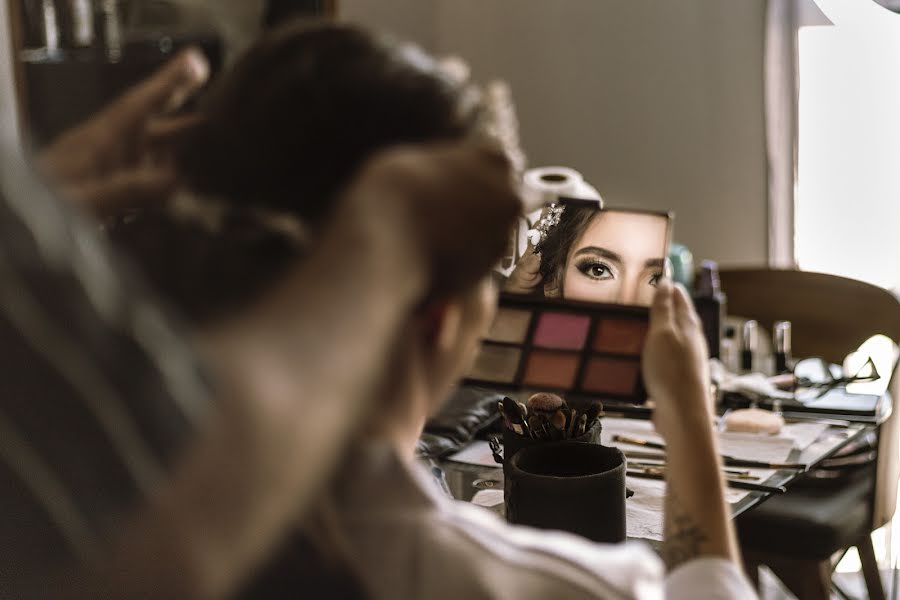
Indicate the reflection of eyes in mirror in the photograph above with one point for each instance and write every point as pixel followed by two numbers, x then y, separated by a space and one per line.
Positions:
pixel 609 256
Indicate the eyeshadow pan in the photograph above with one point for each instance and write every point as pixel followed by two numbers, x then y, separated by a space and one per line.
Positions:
pixel 510 325
pixel 551 369
pixel 561 331
pixel 610 375
pixel 622 336
pixel 496 363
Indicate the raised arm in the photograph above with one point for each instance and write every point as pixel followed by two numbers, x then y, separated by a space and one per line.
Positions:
pixel 299 370
pixel 697 518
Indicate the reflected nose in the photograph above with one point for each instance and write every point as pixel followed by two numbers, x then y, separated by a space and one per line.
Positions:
pixel 628 292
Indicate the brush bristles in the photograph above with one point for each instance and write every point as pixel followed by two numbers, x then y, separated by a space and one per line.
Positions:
pixel 545 402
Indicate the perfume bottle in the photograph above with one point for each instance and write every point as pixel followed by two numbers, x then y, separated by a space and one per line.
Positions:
pixel 710 302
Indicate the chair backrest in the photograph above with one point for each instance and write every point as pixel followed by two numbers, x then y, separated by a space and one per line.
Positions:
pixel 830 317
pixel 887 471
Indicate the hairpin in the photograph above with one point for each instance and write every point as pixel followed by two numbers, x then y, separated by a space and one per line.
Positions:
pixel 549 219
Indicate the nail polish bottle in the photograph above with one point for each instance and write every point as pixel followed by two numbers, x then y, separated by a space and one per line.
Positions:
pixel 748 345
pixel 710 302
pixel 781 342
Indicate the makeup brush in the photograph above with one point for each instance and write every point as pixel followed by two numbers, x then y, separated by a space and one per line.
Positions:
pixel 510 411
pixel 523 414
pixel 534 423
pixel 731 461
pixel 545 403
pixel 732 483
pixel 573 424
pixel 509 420
pixel 558 420
pixel 545 426
pixel 582 425
pixel 593 412
pixel 523 410
pixel 503 414
pixel 732 473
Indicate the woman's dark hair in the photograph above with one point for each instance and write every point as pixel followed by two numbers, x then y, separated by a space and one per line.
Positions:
pixel 559 241
pixel 285 132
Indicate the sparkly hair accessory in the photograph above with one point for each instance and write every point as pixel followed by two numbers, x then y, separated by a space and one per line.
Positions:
pixel 549 219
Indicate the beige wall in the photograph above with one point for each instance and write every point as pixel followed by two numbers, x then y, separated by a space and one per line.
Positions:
pixel 9 126
pixel 659 104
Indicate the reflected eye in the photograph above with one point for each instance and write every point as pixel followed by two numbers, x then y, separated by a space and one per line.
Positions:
pixel 595 269
pixel 655 279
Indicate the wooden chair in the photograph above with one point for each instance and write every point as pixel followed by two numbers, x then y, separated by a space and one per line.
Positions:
pixel 798 534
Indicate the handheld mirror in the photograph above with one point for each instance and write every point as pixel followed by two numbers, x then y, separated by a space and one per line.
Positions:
pixel 579 330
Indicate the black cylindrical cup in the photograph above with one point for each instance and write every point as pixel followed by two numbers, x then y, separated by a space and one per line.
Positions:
pixel 569 486
pixel 512 443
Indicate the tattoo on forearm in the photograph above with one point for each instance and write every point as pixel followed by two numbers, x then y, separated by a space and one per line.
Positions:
pixel 683 537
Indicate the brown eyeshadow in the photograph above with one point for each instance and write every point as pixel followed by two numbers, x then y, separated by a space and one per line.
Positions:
pixel 496 363
pixel 510 325
pixel 621 336
pixel 551 369
pixel 610 376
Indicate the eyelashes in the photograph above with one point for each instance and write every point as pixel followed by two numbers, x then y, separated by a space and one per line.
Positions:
pixel 595 269
pixel 598 270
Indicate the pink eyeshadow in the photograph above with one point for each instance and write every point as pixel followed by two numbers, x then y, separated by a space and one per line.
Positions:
pixel 551 369
pixel 611 376
pixel 622 336
pixel 562 331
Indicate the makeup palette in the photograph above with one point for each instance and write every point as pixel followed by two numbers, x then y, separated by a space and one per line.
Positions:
pixel 577 348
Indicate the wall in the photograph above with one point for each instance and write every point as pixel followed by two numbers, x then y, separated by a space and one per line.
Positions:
pixel 659 104
pixel 9 127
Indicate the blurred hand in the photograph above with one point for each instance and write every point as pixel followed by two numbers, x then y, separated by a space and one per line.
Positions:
pixel 675 364
pixel 452 206
pixel 526 277
pixel 118 157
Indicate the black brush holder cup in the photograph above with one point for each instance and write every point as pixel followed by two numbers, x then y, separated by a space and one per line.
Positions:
pixel 513 442
pixel 570 486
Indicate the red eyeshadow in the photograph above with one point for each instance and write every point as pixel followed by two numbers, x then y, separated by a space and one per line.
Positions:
pixel 562 331
pixel 551 369
pixel 610 376
pixel 621 336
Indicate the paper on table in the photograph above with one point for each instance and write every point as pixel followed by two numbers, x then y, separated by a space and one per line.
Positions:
pixel 488 498
pixel 645 510
pixel 803 434
pixel 750 446
pixel 477 453
pixel 755 446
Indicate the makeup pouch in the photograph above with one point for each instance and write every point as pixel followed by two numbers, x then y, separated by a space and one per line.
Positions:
pixel 569 486
pixel 468 412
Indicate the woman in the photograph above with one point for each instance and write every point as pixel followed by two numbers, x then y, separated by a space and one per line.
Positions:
pixel 609 256
pixel 286 133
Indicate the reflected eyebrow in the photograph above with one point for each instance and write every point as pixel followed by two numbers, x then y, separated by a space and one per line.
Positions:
pixel 655 262
pixel 608 254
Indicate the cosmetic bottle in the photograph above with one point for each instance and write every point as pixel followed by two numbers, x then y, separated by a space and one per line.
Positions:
pixel 81 15
pixel 710 302
pixel 51 27
pixel 748 345
pixel 729 349
pixel 781 342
